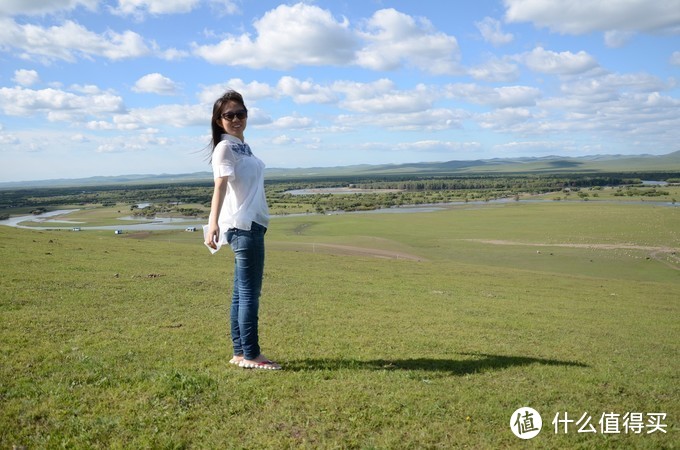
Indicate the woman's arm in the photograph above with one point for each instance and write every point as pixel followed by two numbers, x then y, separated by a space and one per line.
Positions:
pixel 219 193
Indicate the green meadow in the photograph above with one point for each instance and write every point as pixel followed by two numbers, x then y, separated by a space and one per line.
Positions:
pixel 404 331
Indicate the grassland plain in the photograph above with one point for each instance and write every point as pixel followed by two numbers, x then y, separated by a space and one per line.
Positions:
pixel 120 341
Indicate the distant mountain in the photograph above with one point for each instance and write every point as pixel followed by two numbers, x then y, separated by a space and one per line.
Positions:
pixel 545 164
pixel 111 180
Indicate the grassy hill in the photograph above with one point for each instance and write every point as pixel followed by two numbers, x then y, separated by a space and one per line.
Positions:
pixel 403 331
pixel 549 164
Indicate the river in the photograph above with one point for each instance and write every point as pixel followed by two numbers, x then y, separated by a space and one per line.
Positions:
pixel 163 224
pixel 154 224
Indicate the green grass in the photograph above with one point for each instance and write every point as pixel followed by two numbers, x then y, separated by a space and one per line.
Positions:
pixel 120 342
pixel 670 194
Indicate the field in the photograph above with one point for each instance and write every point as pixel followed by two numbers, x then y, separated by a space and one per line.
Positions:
pixel 400 331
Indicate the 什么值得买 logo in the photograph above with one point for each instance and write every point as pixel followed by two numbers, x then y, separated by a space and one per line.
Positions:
pixel 526 423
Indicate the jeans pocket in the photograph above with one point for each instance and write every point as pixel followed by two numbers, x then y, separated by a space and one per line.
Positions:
pixel 231 236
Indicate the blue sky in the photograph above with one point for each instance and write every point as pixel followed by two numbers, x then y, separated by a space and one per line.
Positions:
pixel 91 87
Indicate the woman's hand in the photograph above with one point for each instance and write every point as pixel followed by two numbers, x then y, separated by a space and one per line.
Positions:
pixel 219 193
pixel 212 236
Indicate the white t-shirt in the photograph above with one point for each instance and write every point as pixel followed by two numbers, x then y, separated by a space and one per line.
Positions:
pixel 245 201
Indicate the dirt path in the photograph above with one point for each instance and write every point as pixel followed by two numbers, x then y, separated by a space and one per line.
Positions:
pixel 338 249
pixel 666 255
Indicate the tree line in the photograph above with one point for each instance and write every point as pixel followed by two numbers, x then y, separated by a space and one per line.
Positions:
pixel 403 190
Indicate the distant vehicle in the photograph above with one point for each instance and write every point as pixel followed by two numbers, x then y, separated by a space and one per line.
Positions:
pixel 192 229
pixel 75 229
pixel 119 231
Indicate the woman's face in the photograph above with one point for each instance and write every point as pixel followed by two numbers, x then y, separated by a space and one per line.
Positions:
pixel 233 119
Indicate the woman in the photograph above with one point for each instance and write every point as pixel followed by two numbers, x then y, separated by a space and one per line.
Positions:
pixel 239 216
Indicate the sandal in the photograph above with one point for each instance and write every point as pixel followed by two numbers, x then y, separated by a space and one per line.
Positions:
pixel 236 360
pixel 266 365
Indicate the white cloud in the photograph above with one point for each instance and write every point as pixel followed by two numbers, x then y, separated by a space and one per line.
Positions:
pixel 675 59
pixel 26 78
pixel 494 70
pixel 223 8
pixel 292 123
pixel 582 17
pixel 651 115
pixel 284 140
pixel 175 116
pixel 381 96
pixel 68 41
pixel 305 91
pixel 619 109
pixel 171 54
pixel 503 97
pixel 424 146
pixel 9 139
pixel 491 32
pixel 394 102
pixel 533 147
pixel 612 86
pixel 287 36
pixel 150 137
pixel 397 101
pixel 99 125
pixel 89 89
pixel 252 91
pixel 155 83
pixel 564 63
pixel 396 39
pixel 139 7
pixel 503 119
pixel 357 90
pixel 617 39
pixel 303 34
pixel 438 146
pixel 428 120
pixel 40 7
pixel 108 148
pixel 57 104
pixel 140 142
pixel 514 96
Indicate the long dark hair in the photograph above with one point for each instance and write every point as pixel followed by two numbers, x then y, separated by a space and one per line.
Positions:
pixel 217 131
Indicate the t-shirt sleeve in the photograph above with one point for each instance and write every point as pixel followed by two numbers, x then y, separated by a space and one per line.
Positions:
pixel 222 161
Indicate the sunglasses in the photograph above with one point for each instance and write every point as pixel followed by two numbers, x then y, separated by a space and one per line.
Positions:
pixel 229 116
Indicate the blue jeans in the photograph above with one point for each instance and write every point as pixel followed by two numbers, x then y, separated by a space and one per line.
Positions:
pixel 248 247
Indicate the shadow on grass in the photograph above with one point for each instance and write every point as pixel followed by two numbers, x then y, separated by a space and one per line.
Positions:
pixel 478 362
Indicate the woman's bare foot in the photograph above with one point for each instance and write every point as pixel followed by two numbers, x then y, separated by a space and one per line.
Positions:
pixel 261 362
pixel 236 359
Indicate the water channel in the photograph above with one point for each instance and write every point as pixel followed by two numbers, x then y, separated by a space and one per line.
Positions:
pixel 163 224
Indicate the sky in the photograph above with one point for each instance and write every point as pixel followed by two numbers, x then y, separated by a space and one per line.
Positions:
pixel 116 87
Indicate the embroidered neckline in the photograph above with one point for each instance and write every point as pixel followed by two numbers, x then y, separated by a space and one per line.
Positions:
pixel 237 145
pixel 242 149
